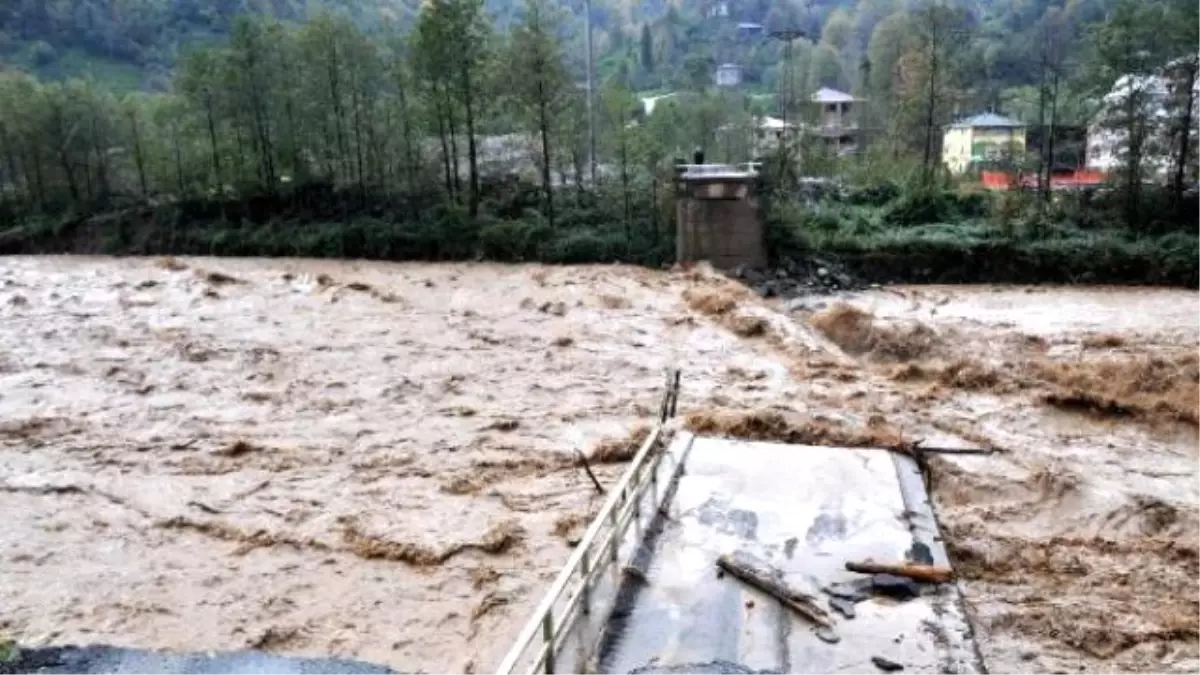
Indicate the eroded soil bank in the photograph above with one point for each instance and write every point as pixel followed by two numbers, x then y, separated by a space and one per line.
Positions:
pixel 374 461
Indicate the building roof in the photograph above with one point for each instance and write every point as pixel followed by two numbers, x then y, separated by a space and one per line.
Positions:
pixel 987 119
pixel 728 66
pixel 774 123
pixel 649 102
pixel 827 95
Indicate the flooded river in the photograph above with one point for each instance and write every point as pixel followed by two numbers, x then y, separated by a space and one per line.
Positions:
pixel 373 460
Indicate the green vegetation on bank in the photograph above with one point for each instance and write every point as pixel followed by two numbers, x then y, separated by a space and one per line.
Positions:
pixel 949 237
pixel 316 223
pixel 456 141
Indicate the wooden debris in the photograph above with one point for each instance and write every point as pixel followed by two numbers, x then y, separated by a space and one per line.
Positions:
pixel 584 463
pixel 769 580
pixel 927 573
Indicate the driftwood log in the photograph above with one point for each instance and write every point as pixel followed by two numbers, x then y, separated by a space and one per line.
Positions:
pixel 769 580
pixel 926 573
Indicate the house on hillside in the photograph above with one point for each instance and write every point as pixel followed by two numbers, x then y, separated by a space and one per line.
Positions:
pixel 749 30
pixel 729 75
pixel 760 137
pixel 770 132
pixel 1151 96
pixel 987 137
pixel 836 120
pixel 717 9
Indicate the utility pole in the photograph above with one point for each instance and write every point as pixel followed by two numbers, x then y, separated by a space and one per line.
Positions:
pixel 591 79
pixel 787 90
pixel 787 82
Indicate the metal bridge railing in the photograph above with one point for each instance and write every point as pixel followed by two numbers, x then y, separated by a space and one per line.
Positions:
pixel 537 645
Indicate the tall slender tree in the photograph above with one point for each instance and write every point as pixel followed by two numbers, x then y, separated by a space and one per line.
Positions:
pixel 1181 71
pixel 539 85
pixel 1127 53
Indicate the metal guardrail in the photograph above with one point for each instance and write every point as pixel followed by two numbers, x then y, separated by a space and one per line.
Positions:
pixel 595 553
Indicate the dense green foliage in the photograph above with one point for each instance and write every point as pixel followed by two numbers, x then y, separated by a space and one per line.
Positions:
pixel 445 134
pixel 656 44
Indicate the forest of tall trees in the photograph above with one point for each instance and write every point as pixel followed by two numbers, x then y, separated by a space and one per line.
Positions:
pixel 442 110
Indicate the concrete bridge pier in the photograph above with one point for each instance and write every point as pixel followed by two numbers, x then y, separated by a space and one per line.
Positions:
pixel 718 217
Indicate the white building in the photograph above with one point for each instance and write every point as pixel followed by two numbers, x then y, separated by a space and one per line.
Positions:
pixel 1107 142
pixel 729 75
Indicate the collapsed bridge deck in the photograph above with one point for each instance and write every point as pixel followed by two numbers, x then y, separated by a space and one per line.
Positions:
pixel 806 511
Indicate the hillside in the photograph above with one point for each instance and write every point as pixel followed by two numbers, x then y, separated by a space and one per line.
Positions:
pixel 133 44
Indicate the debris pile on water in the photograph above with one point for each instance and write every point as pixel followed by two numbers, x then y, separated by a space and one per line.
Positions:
pixel 1146 386
pixel 775 426
pixel 857 332
pixel 499 538
pixel 613 450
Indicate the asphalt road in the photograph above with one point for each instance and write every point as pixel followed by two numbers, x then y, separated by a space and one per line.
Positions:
pixel 106 659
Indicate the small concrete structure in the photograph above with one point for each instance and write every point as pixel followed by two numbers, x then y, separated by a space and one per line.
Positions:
pixel 717 217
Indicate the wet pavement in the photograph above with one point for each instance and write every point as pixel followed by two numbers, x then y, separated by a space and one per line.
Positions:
pixel 757 499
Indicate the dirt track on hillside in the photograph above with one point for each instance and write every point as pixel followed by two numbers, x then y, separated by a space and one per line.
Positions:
pixel 373 460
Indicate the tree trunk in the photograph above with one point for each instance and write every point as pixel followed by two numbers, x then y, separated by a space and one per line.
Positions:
pixel 63 159
pixel 1185 132
pixel 931 100
pixel 1042 159
pixel 10 161
pixel 293 143
pixel 87 170
pixel 407 137
pixel 212 143
pixel 1049 142
pixel 39 176
pixel 178 162
pixel 101 158
pixel 442 136
pixel 654 206
pixel 241 151
pixel 356 101
pixel 262 128
pixel 335 97
pixel 625 185
pixel 454 163
pixel 543 128
pixel 139 158
pixel 472 157
pixel 1133 169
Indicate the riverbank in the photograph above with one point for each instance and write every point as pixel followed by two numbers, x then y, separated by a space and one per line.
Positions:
pixel 884 235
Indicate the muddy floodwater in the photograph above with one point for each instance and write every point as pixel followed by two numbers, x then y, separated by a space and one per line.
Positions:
pixel 375 461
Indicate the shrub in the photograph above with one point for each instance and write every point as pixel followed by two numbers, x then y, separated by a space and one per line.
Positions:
pixel 877 194
pixel 919 207
pixel 514 240
pixel 582 246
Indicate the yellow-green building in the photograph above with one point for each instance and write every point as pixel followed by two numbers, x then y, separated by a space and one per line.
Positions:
pixel 982 138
